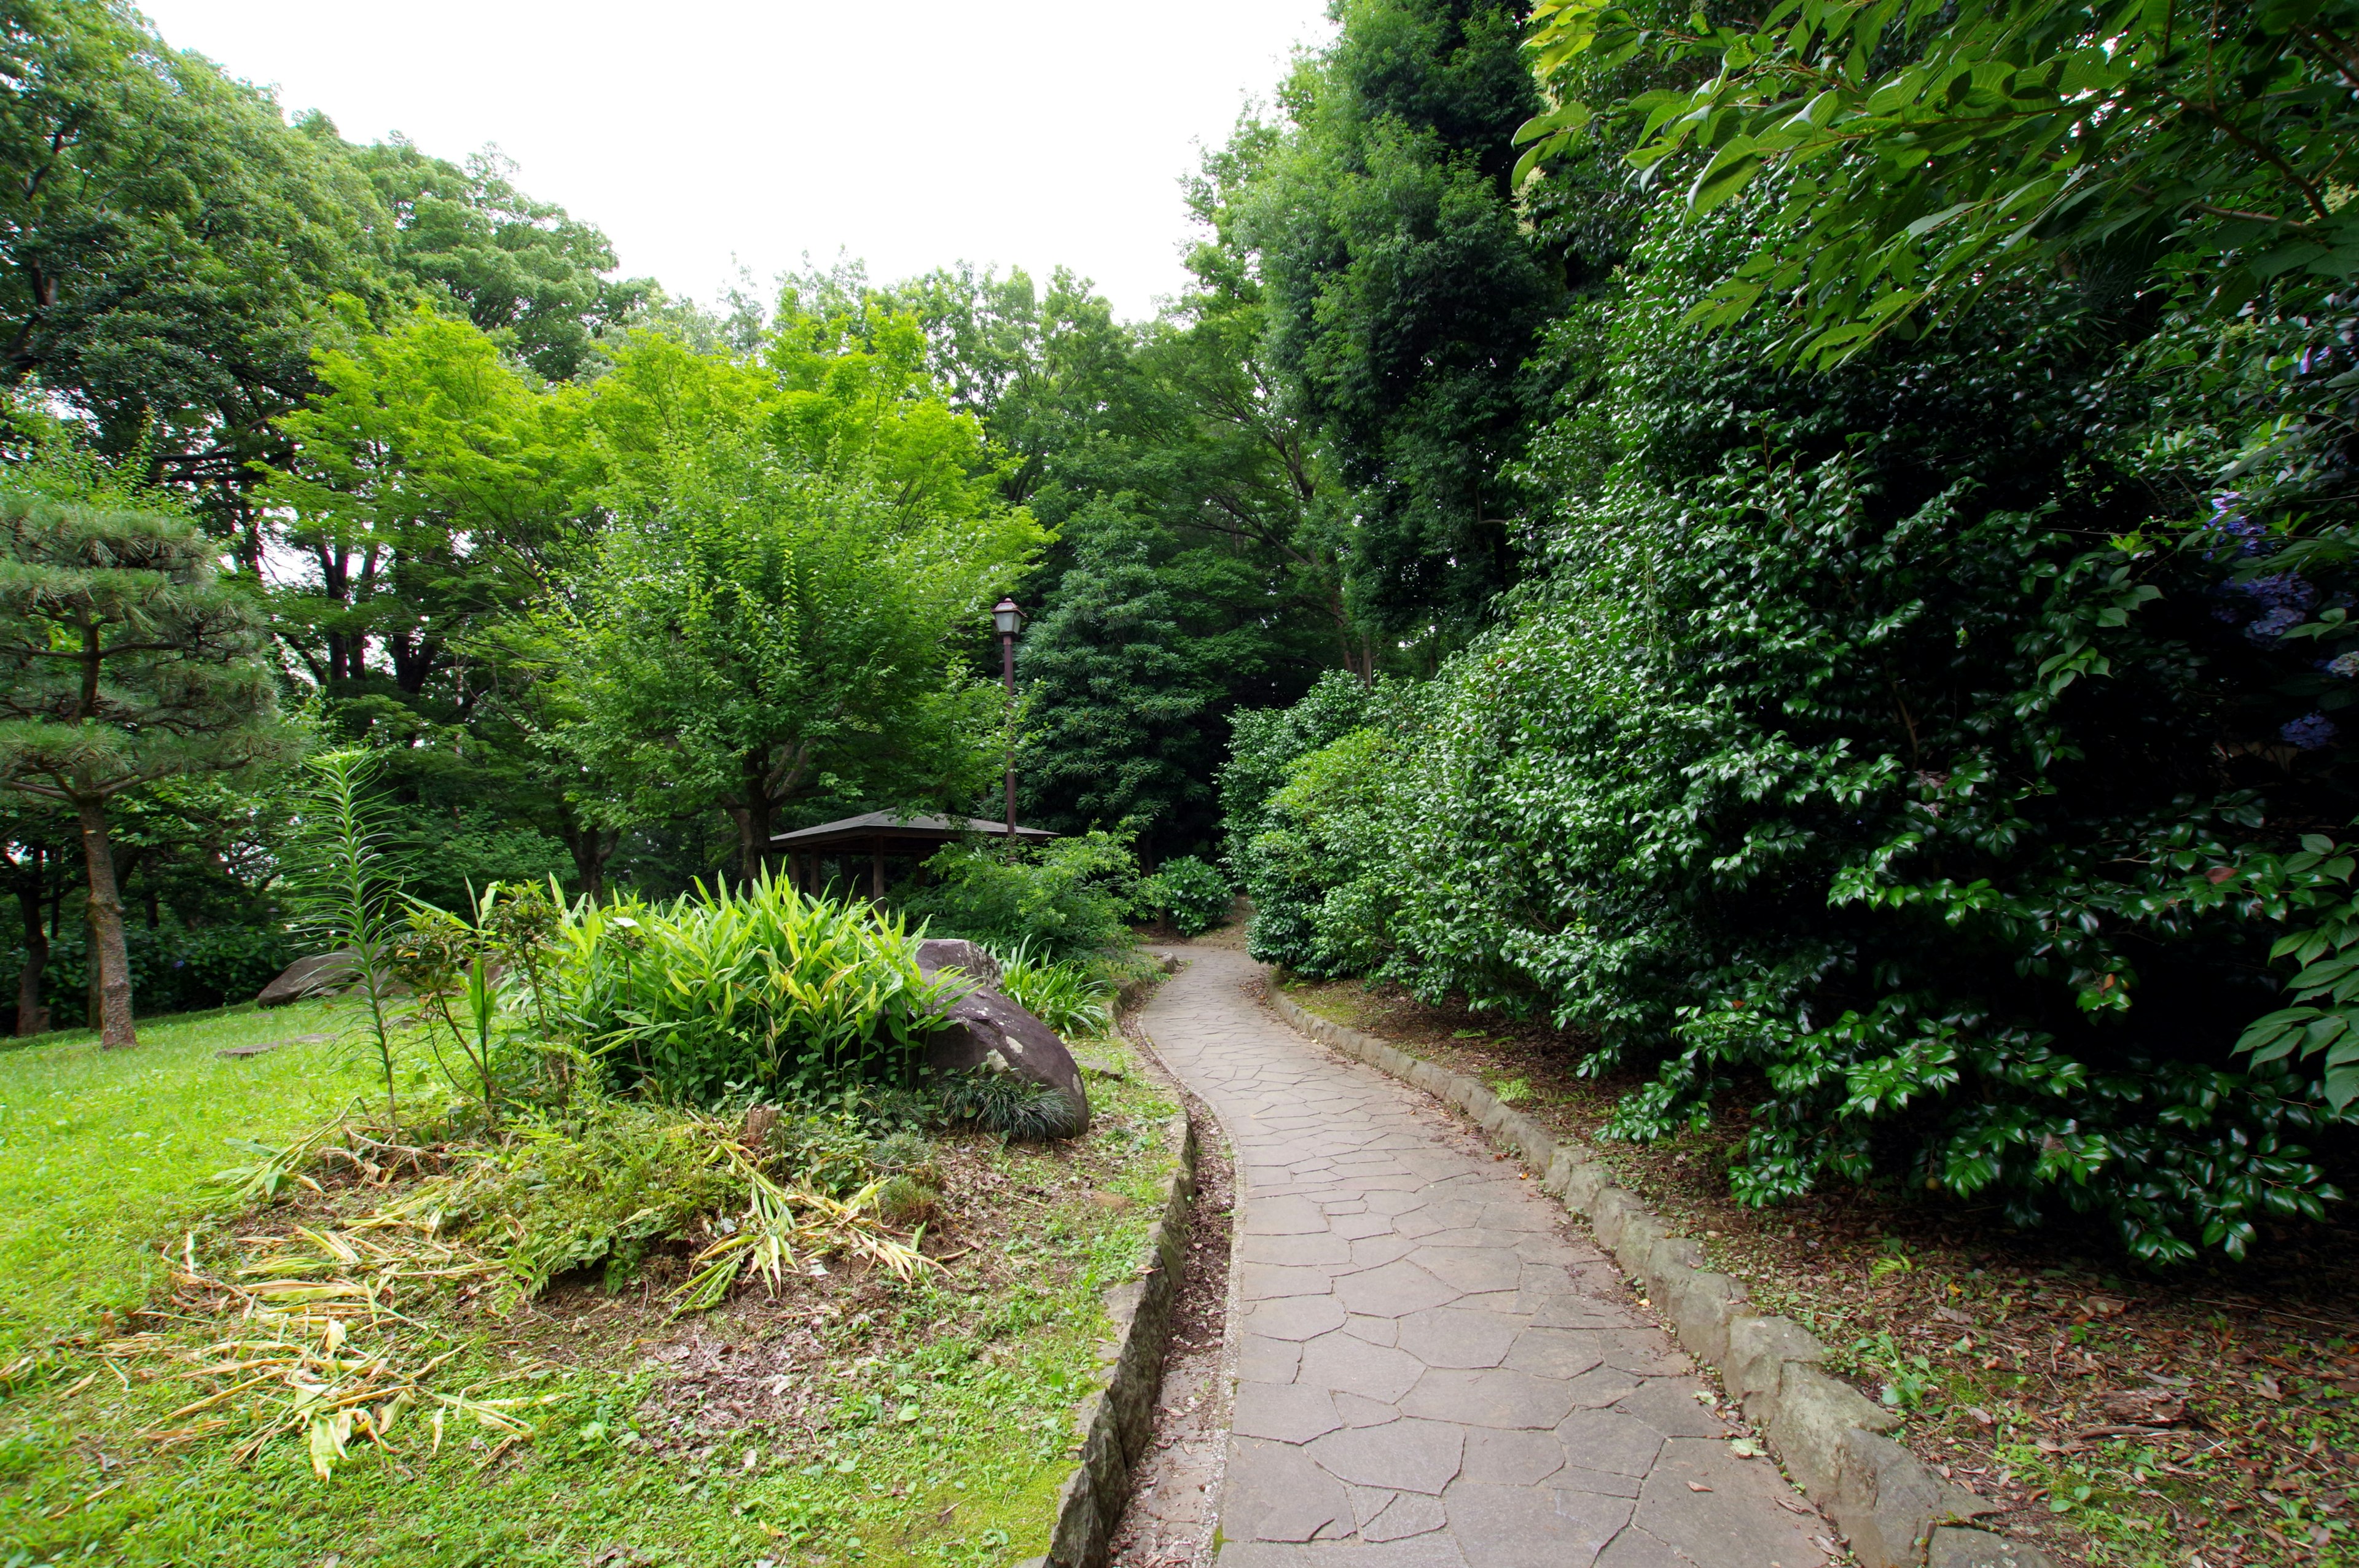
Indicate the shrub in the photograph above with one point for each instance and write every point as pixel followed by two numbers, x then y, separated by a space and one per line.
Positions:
pixel 595 1191
pixel 1066 996
pixel 173 969
pixel 1869 747
pixel 757 992
pixel 1068 898
pixel 1188 894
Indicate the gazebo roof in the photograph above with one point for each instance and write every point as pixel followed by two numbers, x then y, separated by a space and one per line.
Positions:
pixel 881 830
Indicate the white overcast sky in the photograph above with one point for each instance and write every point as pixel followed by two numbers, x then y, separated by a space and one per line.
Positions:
pixel 702 134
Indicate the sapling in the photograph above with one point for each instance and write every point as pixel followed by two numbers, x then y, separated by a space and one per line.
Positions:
pixel 344 887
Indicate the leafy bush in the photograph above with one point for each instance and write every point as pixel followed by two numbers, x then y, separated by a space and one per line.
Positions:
pixel 1872 747
pixel 1069 897
pixel 173 969
pixel 738 992
pixel 1066 996
pixel 1304 793
pixel 1188 895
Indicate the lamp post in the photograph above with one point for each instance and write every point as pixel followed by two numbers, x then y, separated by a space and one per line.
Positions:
pixel 1006 616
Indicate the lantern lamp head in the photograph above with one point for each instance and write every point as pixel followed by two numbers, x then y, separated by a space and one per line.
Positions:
pixel 1007 618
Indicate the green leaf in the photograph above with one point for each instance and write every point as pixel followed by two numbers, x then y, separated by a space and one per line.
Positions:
pixel 1730 169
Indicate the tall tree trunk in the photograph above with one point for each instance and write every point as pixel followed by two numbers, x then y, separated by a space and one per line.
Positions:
pixel 753 819
pixel 111 959
pixel 591 849
pixel 32 1018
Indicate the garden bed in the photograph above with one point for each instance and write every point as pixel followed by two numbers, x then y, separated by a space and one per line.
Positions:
pixel 847 1417
pixel 2119 1417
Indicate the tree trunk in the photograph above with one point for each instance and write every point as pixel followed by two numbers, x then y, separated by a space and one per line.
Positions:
pixel 32 1018
pixel 111 961
pixel 752 820
pixel 591 849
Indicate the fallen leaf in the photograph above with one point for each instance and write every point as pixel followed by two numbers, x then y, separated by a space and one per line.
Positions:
pixel 2147 1407
pixel 1698 1487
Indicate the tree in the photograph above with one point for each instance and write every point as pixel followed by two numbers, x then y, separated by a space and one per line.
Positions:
pixel 1926 149
pixel 1132 670
pixel 33 835
pixel 519 269
pixel 1400 296
pixel 757 635
pixel 126 659
pixel 427 489
pixel 165 241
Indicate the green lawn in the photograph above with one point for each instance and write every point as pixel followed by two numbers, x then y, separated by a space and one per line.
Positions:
pixel 945 1409
pixel 101 1151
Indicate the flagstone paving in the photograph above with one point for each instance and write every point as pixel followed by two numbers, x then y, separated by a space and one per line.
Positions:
pixel 1434 1368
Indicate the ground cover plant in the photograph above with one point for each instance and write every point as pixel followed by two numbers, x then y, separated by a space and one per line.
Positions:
pixel 838 1332
pixel 2117 1416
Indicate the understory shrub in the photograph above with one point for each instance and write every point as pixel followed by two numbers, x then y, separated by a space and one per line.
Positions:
pixel 743 992
pixel 1067 898
pixel 1906 749
pixel 1067 995
pixel 595 1189
pixel 1188 895
pixel 174 968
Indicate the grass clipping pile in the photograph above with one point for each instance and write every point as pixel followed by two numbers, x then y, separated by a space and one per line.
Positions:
pixel 330 1347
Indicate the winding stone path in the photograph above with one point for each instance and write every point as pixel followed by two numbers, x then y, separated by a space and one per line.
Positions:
pixel 1434 1369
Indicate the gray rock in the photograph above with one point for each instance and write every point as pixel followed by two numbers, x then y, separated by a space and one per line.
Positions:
pixel 955 953
pixel 986 1029
pixel 316 975
pixel 1889 1504
pixel 1957 1548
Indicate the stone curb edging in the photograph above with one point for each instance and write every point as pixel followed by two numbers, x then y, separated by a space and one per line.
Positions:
pixel 1895 1511
pixel 1114 1423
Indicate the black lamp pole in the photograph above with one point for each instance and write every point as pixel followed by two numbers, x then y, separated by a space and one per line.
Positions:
pixel 1006 616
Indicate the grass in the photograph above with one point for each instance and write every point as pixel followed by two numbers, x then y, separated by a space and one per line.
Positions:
pixel 848 1420
pixel 103 1152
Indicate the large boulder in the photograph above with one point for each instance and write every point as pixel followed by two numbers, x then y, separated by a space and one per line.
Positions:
pixel 957 953
pixel 987 1030
pixel 317 974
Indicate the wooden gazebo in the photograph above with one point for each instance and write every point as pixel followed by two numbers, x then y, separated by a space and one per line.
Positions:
pixel 876 835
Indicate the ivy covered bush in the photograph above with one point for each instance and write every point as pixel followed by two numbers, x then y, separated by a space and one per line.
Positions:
pixel 1920 752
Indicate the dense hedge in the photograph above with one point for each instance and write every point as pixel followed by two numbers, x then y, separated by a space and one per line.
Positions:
pixel 1914 750
pixel 173 969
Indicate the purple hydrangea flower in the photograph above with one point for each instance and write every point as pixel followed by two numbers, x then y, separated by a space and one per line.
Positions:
pixel 2344 665
pixel 2311 732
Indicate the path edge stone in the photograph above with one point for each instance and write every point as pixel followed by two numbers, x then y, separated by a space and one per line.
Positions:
pixel 1114 1423
pixel 1894 1510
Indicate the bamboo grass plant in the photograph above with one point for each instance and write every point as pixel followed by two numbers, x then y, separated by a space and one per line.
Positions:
pixel 734 992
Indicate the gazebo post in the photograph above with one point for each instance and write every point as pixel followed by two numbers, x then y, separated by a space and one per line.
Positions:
pixel 876 874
